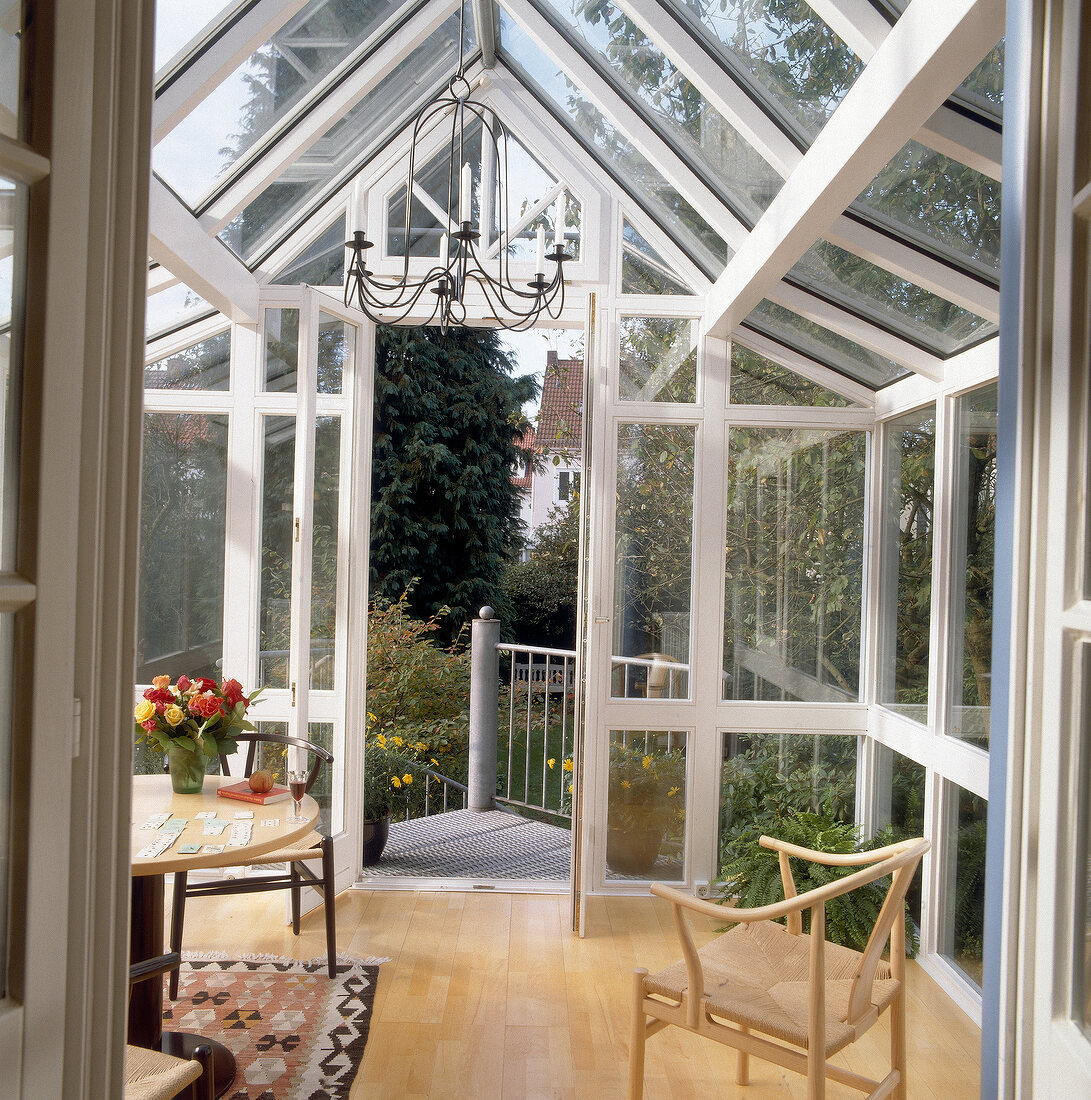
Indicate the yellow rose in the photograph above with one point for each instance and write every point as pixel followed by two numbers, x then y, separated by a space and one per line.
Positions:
pixel 144 711
pixel 174 715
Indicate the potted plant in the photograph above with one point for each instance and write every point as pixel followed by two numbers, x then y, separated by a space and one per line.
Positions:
pixel 390 766
pixel 192 721
pixel 646 798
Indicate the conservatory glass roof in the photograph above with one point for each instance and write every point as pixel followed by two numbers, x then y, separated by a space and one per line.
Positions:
pixel 707 123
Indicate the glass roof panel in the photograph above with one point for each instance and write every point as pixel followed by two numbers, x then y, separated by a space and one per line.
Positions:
pixel 984 87
pixel 940 204
pixel 174 24
pixel 782 51
pixel 643 269
pixel 925 319
pixel 348 143
pixel 757 380
pixel 199 153
pixel 321 263
pixel 614 153
pixel 170 309
pixel 825 347
pixel 675 106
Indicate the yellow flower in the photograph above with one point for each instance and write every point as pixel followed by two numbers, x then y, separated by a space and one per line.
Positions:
pixel 646 763
pixel 674 790
pixel 567 765
pixel 626 784
pixel 407 779
pixel 420 746
pixel 371 717
pixel 551 761
pixel 381 739
pixel 569 788
pixel 434 762
pixel 174 715
pixel 398 741
pixel 144 711
pixel 395 782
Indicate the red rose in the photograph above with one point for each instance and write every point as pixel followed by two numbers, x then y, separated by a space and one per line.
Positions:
pixel 210 705
pixel 184 683
pixel 206 684
pixel 232 693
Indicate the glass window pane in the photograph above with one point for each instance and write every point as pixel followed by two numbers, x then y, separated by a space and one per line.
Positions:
pixel 984 87
pixel 275 600
pixel 204 366
pixel 646 810
pixel 183 525
pixel 238 114
pixel 676 108
pixel 643 269
pixel 756 380
pixel 783 53
pixel 963 900
pixel 767 777
pixel 658 359
pixel 940 204
pixel 896 304
pixel 899 808
pixel 321 734
pixel 13 200
pixel 281 349
pixel 972 573
pixel 348 144
pixel 614 152
pixel 794 561
pixel 173 308
pixel 321 263
pixel 12 122
pixel 653 574
pixel 825 347
pixel 909 460
pixel 327 487
pixel 335 343
pixel 175 23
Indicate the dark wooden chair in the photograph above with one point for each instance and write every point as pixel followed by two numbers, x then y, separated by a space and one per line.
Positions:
pixel 152 1075
pixel 314 846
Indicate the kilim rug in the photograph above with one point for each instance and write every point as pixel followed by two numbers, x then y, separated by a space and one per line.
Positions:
pixel 296 1033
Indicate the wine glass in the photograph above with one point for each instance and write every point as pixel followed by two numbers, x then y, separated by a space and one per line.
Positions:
pixel 297 784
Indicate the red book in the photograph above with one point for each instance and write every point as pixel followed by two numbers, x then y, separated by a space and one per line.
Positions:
pixel 243 793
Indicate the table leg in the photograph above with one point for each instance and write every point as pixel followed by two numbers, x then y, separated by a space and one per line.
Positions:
pixel 146 998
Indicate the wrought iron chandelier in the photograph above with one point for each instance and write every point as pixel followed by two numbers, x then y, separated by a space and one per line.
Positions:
pixel 389 301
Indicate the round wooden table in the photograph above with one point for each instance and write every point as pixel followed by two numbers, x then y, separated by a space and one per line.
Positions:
pixel 152 794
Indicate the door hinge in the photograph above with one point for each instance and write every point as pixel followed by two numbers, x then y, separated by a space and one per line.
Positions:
pixel 293 693
pixel 297 529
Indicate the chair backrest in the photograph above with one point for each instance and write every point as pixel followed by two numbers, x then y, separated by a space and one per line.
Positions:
pixel 318 755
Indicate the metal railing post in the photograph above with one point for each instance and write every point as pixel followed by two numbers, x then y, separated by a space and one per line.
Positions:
pixel 484 709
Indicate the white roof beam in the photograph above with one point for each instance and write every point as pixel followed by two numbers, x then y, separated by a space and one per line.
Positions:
pixel 864 30
pixel 630 123
pixel 177 241
pixel 273 161
pixel 727 97
pixel 863 332
pixel 917 267
pixel 219 61
pixel 781 153
pixel 901 87
pixel 485 26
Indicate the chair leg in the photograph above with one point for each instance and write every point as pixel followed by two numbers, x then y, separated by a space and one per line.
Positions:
pixel 816 1074
pixel 637 1037
pixel 204 1088
pixel 295 898
pixel 742 1065
pixel 897 1041
pixel 177 917
pixel 329 905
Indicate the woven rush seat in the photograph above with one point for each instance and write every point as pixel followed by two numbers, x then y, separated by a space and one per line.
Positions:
pixel 150 1075
pixel 307 847
pixel 756 976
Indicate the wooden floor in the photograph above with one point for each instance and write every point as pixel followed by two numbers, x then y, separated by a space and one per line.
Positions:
pixel 488 996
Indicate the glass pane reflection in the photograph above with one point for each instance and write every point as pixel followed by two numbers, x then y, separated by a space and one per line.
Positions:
pixel 327 485
pixel 275 599
pixel 658 359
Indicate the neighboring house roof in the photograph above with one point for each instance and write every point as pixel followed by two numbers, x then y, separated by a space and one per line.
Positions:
pixel 560 418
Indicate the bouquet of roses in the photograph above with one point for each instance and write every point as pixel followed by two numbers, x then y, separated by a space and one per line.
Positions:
pixel 194 714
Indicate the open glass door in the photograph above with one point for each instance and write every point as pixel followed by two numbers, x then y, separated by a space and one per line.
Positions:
pixel 313 508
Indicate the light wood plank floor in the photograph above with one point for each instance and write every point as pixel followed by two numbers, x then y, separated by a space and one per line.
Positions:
pixel 488 996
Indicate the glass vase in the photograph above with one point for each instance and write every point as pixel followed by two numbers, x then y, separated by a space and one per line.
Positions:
pixel 187 769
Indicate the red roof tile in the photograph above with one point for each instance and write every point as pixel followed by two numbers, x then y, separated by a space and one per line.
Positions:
pixel 560 418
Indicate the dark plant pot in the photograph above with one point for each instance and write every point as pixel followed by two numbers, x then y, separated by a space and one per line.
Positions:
pixel 375 834
pixel 632 851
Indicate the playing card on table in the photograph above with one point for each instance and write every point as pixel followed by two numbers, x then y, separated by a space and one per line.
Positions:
pixel 175 825
pixel 155 821
pixel 188 849
pixel 212 828
pixel 270 821
pixel 240 834
pixel 244 815
pixel 206 815
pixel 212 849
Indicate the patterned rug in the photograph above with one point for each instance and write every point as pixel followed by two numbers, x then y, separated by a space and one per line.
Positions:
pixel 295 1032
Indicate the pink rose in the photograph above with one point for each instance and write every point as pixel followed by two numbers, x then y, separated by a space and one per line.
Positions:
pixel 149 724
